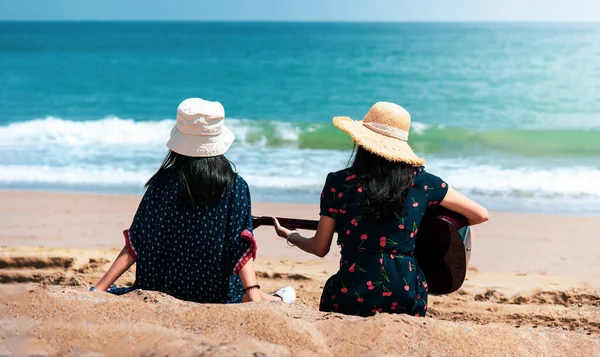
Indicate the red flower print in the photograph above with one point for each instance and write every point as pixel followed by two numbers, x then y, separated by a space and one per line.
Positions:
pixel 364 237
pixel 409 266
pixel 360 299
pixel 415 203
pixel 424 284
pixel 350 177
pixel 380 260
pixel 386 293
pixel 425 187
pixel 382 241
pixel 343 211
pixel 371 287
pixel 401 226
pixel 344 290
pixel 377 310
pixel 347 232
pixel 340 195
pixel 354 222
pixel 434 202
pixel 335 306
pixel 414 173
pixel 359 189
pixel 443 185
pixel 412 234
pixel 332 189
pixel 332 297
pixel 416 315
pixel 394 303
pixel 369 283
pixel 406 287
pixel 351 269
pixel 333 210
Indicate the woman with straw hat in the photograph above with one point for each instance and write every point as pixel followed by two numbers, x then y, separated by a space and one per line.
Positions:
pixel 376 206
pixel 191 236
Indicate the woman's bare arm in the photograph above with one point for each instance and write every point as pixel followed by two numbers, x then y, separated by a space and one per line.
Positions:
pixel 248 277
pixel 473 211
pixel 319 244
pixel 123 262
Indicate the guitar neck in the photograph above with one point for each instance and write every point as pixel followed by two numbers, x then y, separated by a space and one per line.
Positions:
pixel 290 223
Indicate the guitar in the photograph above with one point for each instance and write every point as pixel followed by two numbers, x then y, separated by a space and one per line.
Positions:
pixel 442 246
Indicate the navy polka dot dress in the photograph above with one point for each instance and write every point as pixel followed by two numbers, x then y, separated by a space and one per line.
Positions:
pixel 192 253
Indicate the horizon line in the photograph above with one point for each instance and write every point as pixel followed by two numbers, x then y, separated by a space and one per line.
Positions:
pixel 312 21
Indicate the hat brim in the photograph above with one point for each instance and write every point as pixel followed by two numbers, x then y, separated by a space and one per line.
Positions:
pixel 393 149
pixel 200 145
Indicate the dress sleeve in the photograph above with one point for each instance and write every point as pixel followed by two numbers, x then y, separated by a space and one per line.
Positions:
pixel 133 235
pixel 329 207
pixel 240 245
pixel 435 188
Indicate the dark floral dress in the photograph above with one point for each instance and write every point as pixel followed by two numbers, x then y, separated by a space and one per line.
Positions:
pixel 192 253
pixel 378 272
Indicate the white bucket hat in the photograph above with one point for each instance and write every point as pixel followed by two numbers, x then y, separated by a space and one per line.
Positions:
pixel 200 130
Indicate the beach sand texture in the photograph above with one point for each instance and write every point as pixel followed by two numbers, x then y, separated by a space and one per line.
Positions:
pixel 531 290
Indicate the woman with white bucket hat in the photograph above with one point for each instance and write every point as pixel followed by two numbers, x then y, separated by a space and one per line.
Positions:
pixel 191 236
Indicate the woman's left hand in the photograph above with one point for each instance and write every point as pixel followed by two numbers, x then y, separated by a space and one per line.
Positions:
pixel 281 231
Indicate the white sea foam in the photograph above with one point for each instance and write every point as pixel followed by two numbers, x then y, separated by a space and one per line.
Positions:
pixel 124 153
pixel 486 180
pixel 113 131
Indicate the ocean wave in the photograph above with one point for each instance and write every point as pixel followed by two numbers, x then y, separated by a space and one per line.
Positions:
pixel 489 181
pixel 113 176
pixel 425 139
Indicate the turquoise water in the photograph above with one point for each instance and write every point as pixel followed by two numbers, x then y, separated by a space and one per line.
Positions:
pixel 509 113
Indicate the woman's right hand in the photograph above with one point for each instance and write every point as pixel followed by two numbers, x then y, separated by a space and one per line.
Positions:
pixel 280 230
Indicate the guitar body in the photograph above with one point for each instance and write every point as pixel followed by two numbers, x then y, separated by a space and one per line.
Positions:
pixel 442 246
pixel 443 249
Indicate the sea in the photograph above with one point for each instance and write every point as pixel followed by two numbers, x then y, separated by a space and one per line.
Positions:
pixel 507 113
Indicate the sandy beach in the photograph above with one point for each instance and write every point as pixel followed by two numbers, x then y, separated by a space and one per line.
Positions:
pixel 532 290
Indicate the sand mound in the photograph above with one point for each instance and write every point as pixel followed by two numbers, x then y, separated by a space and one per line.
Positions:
pixel 46 310
pixel 564 298
pixel 36 262
pixel 59 321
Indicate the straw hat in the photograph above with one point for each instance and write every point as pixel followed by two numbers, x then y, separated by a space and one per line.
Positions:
pixel 200 130
pixel 383 131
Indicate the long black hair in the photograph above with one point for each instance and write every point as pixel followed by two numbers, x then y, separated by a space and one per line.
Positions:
pixel 202 180
pixel 385 184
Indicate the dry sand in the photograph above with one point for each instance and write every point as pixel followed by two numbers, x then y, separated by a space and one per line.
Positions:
pixel 532 290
